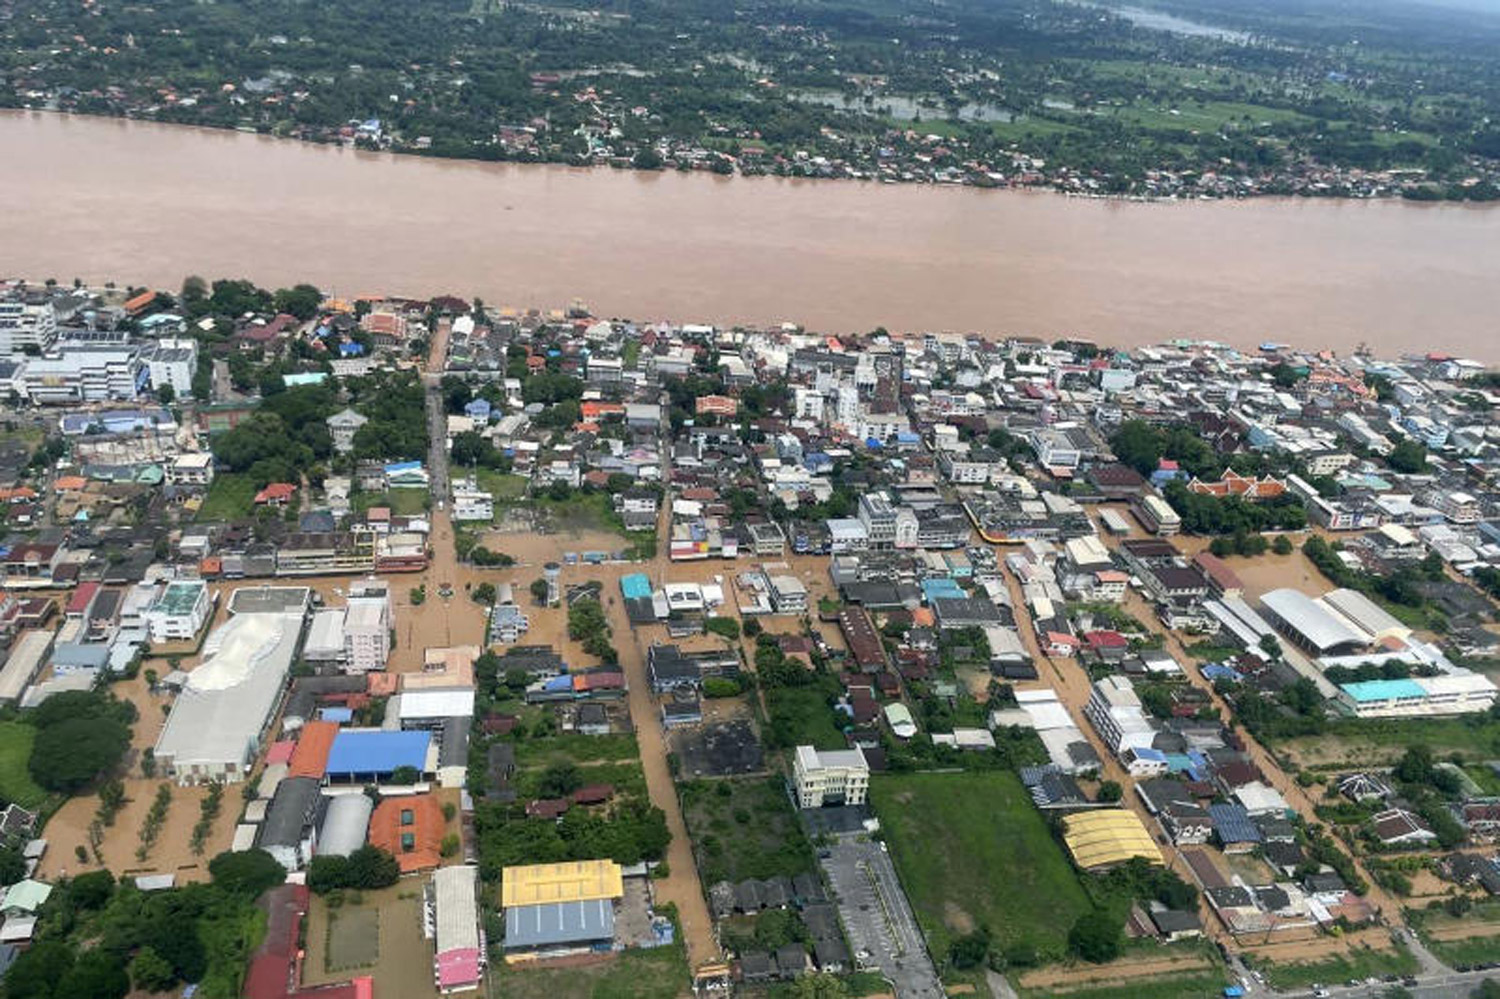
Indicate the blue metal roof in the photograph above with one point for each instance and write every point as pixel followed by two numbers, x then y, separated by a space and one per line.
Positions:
pixel 1232 824
pixel 559 923
pixel 367 751
pixel 941 588
pixel 637 584
pixel 1384 690
pixel 342 716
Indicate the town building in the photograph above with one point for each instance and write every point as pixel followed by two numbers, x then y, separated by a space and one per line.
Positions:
pixel 830 777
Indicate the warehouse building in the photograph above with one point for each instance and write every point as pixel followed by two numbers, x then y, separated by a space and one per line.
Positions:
pixel 362 755
pixel 1310 624
pixel 1103 839
pixel 216 723
pixel 553 910
pixel 458 964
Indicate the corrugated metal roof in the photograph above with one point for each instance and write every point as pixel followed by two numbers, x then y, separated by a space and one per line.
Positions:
pixel 559 923
pixel 1311 619
pixel 366 751
pixel 573 881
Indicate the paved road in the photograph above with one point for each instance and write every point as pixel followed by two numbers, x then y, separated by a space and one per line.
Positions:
pixel 883 933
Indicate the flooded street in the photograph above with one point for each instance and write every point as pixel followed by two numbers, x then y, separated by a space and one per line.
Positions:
pixel 139 203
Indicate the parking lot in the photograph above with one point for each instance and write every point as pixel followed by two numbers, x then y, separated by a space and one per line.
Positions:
pixel 883 933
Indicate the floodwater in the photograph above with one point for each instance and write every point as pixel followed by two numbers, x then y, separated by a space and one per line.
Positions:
pixel 104 199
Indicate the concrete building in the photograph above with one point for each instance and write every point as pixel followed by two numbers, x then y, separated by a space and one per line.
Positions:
pixel 179 611
pixel 831 777
pixel 343 425
pixel 173 362
pixel 216 724
pixel 367 626
pixel 73 373
pixel 788 595
pixel 24 326
pixel 472 503
pixel 196 469
pixel 879 518
pixel 1116 713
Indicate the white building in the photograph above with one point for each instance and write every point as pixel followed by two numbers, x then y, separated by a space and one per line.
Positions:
pixel 83 373
pixel 23 326
pixel 1116 713
pixel 788 595
pixel 216 724
pixel 173 362
pixel 472 503
pixel 179 611
pixel 343 425
pixel 1458 508
pixel 195 469
pixel 367 627
pixel 837 777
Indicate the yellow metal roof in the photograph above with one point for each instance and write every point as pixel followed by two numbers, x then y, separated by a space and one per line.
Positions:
pixel 574 881
pixel 1108 837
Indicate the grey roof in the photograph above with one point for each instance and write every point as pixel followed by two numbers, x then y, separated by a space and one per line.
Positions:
pixel 345 824
pixel 1310 619
pixel 558 923
pixel 453 748
pixel 1232 824
pixel 293 808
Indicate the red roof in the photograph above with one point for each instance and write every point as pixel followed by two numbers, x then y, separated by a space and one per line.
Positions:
pixel 547 808
pixel 276 492
pixel 79 602
pixel 594 794
pixel 1105 640
pixel 270 973
pixel 280 752
pixel 607 680
pixel 310 757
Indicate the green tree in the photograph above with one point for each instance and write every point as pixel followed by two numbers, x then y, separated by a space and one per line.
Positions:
pixel 72 754
pixel 247 873
pixel 405 776
pixel 12 865
pixel 1282 545
pixel 483 594
pixel 1110 791
pixel 302 301
pixel 1096 937
pixel 539 590
pixel 150 972
pixel 38 970
pixel 1408 457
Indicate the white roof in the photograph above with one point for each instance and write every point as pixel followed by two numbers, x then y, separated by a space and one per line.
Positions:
pixel 325 638
pixel 453 703
pixel 457 908
pixel 345 824
pixel 227 703
pixel 25 661
pixel 809 758
pixel 1365 614
pixel 244 837
pixel 1313 620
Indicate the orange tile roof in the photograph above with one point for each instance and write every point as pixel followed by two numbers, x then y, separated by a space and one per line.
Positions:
pixel 310 758
pixel 70 483
pixel 426 829
pixel 381 684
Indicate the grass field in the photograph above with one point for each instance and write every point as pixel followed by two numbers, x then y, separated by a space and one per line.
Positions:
pixel 1382 740
pixel 504 487
pixel 15 780
pixel 570 747
pixel 800 716
pixel 405 502
pixel 744 829
pixel 581 512
pixel 972 850
pixel 1470 950
pixel 661 973
pixel 1360 963
pixel 231 497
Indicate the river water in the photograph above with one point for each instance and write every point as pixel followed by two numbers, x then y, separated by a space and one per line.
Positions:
pixel 104 199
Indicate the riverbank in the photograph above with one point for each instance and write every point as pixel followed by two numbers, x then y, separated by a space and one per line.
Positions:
pixel 176 200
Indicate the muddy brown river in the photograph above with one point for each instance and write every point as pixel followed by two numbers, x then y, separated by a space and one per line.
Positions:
pixel 139 203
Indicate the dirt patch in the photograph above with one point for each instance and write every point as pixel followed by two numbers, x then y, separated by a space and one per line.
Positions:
pixel 172 852
pixel 1461 930
pixel 402 962
pixel 956 919
pixel 1121 972
pixel 353 938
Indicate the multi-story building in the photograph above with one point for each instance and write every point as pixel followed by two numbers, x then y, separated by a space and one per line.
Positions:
pixel 788 595
pixel 472 503
pixel 367 626
pixel 343 425
pixel 1458 508
pixel 26 329
pixel 831 777
pixel 879 518
pixel 196 469
pixel 1115 711
pixel 173 362
pixel 179 611
pixel 83 373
